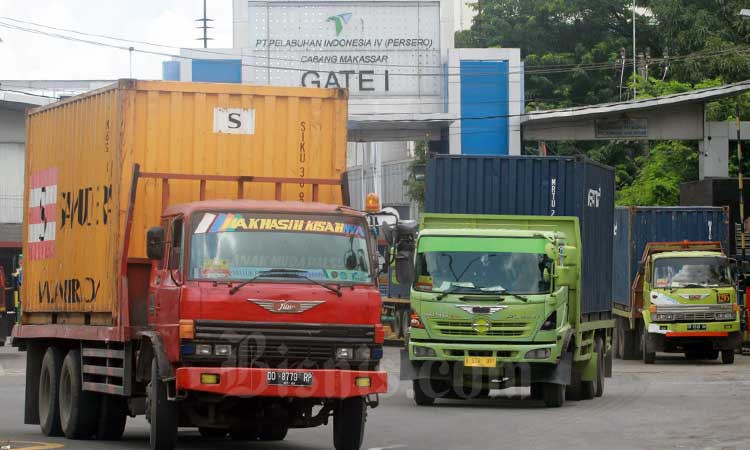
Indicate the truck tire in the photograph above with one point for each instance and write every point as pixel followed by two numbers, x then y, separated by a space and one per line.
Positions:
pixel 554 395
pixel 649 356
pixel 162 414
pixel 727 356
pixel 250 433
pixel 349 423
pixel 49 392
pixel 600 349
pixel 113 414
pixel 574 391
pixel 276 432
pixel 421 396
pixel 536 391
pixel 79 409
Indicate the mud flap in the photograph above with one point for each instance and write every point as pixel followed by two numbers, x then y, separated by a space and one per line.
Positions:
pixel 558 374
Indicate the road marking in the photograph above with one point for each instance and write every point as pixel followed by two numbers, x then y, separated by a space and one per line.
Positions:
pixel 388 447
pixel 26 445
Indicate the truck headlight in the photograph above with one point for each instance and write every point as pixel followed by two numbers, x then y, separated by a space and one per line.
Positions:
pixel 725 316
pixel 664 317
pixel 344 353
pixel 424 352
pixel 540 353
pixel 203 350
pixel 362 353
pixel 223 350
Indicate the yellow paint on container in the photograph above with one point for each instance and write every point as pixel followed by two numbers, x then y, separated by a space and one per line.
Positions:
pixel 80 155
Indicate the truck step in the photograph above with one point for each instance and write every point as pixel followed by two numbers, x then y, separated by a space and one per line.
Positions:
pixel 107 369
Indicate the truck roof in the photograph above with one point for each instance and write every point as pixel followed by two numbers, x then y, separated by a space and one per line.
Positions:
pixel 271 206
pixel 686 254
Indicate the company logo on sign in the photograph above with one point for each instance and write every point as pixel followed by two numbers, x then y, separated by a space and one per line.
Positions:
pixel 286 306
pixel 234 121
pixel 340 20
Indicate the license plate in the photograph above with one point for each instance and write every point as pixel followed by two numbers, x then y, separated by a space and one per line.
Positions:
pixel 284 378
pixel 480 361
pixel 696 327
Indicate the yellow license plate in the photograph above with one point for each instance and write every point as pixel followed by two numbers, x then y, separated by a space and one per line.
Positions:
pixel 480 361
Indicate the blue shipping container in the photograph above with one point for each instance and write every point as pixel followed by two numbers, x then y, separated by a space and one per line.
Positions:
pixel 537 186
pixel 637 226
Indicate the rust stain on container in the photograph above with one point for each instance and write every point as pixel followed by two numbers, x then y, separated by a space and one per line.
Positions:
pixel 80 157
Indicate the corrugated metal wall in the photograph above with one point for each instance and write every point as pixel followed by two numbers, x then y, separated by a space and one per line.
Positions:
pixel 11 183
pixel 637 226
pixel 394 192
pixel 546 186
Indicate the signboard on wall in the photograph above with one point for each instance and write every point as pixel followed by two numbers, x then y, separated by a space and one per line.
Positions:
pixel 372 48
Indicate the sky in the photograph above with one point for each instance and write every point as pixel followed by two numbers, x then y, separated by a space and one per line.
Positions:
pixel 171 22
pixel 26 56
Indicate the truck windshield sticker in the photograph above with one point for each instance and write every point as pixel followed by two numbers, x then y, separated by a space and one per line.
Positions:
pixel 478 244
pixel 230 222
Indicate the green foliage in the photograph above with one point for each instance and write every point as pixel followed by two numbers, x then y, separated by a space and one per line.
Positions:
pixel 658 182
pixel 706 42
pixel 415 189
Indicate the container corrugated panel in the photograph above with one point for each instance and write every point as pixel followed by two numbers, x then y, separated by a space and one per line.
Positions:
pixel 637 226
pixel 546 186
pixel 393 176
pixel 81 153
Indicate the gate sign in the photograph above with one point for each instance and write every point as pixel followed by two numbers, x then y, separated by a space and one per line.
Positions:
pixel 371 48
pixel 621 128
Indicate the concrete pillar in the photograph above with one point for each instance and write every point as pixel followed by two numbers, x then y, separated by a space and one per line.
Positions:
pixel 713 158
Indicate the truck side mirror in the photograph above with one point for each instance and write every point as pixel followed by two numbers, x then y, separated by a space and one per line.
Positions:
pixel 404 267
pixel 155 237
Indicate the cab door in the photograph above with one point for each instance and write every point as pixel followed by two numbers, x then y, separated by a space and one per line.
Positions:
pixel 165 286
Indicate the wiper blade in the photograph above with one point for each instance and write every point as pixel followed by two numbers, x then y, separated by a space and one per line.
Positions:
pixel 298 274
pixel 263 274
pixel 454 289
pixel 505 292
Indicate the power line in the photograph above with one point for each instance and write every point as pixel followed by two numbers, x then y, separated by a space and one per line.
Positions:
pixel 528 69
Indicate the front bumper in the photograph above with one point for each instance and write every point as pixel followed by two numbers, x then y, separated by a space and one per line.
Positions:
pixel 503 352
pixel 251 382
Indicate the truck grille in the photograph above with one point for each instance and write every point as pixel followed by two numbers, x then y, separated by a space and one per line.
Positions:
pixel 497 328
pixel 282 345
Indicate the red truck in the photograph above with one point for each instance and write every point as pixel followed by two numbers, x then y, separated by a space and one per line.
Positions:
pixel 243 317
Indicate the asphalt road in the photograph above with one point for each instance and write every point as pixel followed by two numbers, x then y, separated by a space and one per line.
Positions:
pixel 674 404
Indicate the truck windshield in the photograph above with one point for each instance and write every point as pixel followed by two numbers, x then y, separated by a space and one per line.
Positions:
pixel 692 272
pixel 241 245
pixel 482 265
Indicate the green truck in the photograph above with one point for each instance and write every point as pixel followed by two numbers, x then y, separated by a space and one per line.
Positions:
pixel 673 288
pixel 496 303
pixel 687 300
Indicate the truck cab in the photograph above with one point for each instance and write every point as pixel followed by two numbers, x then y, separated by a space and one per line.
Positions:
pixel 266 310
pixel 689 301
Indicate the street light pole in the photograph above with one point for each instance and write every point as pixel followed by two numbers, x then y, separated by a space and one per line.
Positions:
pixel 635 59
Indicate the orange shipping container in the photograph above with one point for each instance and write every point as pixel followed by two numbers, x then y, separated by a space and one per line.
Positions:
pixel 80 155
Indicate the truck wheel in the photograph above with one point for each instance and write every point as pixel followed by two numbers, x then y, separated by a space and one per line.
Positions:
pixel 649 357
pixel 537 391
pixel 727 356
pixel 599 347
pixel 113 413
pixel 554 395
pixel 276 432
pixel 212 433
pixel 249 434
pixel 79 409
pixel 162 413
pixel 421 396
pixel 349 423
pixel 574 391
pixel 49 391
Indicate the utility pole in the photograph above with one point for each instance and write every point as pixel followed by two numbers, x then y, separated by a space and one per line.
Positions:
pixel 204 27
pixel 635 59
